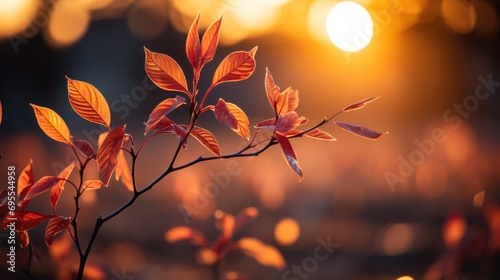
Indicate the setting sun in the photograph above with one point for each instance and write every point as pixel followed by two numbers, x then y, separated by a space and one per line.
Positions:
pixel 349 26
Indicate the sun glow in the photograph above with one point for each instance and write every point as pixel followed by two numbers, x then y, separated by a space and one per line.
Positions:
pixel 349 26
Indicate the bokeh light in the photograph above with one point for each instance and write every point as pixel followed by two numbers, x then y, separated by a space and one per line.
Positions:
pixel 16 15
pixel 67 24
pixel 287 231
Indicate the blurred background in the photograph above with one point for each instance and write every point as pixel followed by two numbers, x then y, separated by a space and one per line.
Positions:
pixel 405 207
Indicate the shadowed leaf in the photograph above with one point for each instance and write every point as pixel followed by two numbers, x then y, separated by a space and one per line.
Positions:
pixel 266 124
pixel 181 233
pixel 123 172
pixel 359 130
pixel 162 123
pixel 41 186
pixel 209 42
pixel 262 253
pixel 55 226
pixel 193 49
pixel 56 191
pixel 52 124
pixel 108 153
pixel 83 147
pixel 236 66
pixel 26 220
pixel 91 185
pixel 88 102
pixel 165 72
pixel 165 107
pixel 26 177
pixel 206 138
pixel 24 238
pixel 358 105
pixel 232 116
pixel 320 135
pixel 289 155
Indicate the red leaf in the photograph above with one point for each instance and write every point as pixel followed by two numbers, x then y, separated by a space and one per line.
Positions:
pixel 41 186
pixel 209 42
pixel 123 172
pixel 26 220
pixel 165 72
pixel 272 90
pixel 232 116
pixel 52 124
pixel 358 105
pixel 24 238
pixel 225 222
pixel 269 124
pixel 165 107
pixel 236 66
pixel 320 135
pixel 181 233
pixel 359 130
pixel 90 185
pixel 288 122
pixel 55 226
pixel 193 50
pixel 176 129
pixel 108 153
pixel 83 147
pixel 26 177
pixel 206 138
pixel 56 191
pixel 88 102
pixel 245 216
pixel 162 123
pixel 293 99
pixel 289 155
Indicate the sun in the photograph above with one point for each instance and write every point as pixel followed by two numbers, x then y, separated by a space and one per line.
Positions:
pixel 349 26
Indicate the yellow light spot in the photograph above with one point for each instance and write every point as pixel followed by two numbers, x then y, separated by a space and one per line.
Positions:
pixel 316 18
pixel 16 15
pixel 397 239
pixel 349 26
pixel 453 230
pixel 405 278
pixel 287 231
pixel 68 23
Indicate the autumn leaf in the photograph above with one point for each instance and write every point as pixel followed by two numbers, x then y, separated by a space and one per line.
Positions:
pixel 24 238
pixel 165 107
pixel 173 128
pixel 237 66
pixel 262 253
pixel 359 105
pixel 108 153
pixel 52 124
pixel 26 220
pixel 266 124
pixel 245 216
pixel 88 102
pixel 162 123
pixel 41 186
pixel 83 147
pixel 209 42
pixel 272 90
pixel 206 138
pixel 320 135
pixel 181 233
pixel 165 72
pixel 359 130
pixel 225 222
pixel 25 177
pixel 122 171
pixel 193 49
pixel 90 185
pixel 55 226
pixel 56 191
pixel 288 122
pixel 289 155
pixel 232 116
pixel 292 96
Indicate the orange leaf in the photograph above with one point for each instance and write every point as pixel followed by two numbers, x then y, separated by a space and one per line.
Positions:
pixel 245 216
pixel 165 107
pixel 225 222
pixel 122 171
pixel 359 130
pixel 108 153
pixel 293 99
pixel 52 124
pixel 287 101
pixel 262 253
pixel 88 102
pixel 41 186
pixel 179 131
pixel 272 90
pixel 91 185
pixel 26 177
pixel 206 138
pixel 358 105
pixel 193 49
pixel 165 72
pixel 55 226
pixel 209 42
pixel 232 116
pixel 26 220
pixel 181 233
pixel 83 147
pixel 24 238
pixel 1 112
pixel 288 122
pixel 56 191
pixel 266 124
pixel 236 66
pixel 162 123
pixel 289 155
pixel 320 135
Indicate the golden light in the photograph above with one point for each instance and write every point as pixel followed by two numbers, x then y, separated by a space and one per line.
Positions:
pixel 405 278
pixel 349 26
pixel 454 229
pixel 68 23
pixel 16 15
pixel 397 239
pixel 287 231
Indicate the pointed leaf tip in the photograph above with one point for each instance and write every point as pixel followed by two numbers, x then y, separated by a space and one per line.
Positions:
pixel 237 66
pixel 52 124
pixel 361 131
pixel 232 116
pixel 360 104
pixel 88 102
pixel 108 153
pixel 165 72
